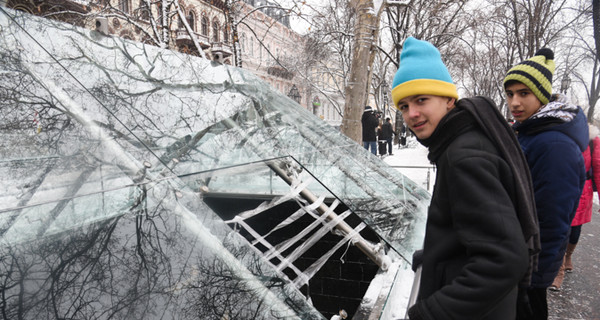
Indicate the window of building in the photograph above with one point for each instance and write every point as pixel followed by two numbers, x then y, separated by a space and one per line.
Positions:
pixel 191 20
pixel 215 27
pixel 124 5
pixel 144 11
pixel 243 43
pixel 204 24
pixel 159 9
pixel 225 35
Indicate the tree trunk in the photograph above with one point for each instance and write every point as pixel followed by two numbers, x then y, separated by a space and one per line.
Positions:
pixel 596 23
pixel 189 30
pixel 595 86
pixel 356 90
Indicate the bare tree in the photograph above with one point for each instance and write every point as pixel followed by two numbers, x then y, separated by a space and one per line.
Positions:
pixel 593 90
pixel 503 34
pixel 328 51
pixel 367 31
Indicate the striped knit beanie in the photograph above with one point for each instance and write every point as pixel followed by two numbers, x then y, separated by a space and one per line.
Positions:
pixel 536 73
pixel 421 71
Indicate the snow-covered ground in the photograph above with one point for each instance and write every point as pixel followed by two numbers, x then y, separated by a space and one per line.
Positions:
pixel 412 162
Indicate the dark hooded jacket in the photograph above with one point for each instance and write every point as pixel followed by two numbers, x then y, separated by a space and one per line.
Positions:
pixel 475 252
pixel 387 132
pixel 369 123
pixel 553 145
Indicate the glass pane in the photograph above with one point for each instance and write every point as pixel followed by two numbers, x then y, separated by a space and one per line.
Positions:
pixel 110 150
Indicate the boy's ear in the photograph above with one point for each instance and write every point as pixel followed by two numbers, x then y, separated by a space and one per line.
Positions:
pixel 451 102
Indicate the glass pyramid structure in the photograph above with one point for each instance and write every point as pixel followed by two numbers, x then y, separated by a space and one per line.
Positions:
pixel 141 183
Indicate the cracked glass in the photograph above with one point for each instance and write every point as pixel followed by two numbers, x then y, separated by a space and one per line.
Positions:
pixel 108 151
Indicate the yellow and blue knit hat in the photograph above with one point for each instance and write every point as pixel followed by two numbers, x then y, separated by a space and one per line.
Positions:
pixel 421 71
pixel 536 73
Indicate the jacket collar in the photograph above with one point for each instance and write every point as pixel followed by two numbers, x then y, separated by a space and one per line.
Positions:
pixel 452 125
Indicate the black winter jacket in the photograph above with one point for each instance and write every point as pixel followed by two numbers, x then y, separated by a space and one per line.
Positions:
pixel 387 131
pixel 474 253
pixel 369 123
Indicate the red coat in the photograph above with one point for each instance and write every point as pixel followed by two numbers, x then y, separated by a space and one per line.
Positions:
pixel 584 210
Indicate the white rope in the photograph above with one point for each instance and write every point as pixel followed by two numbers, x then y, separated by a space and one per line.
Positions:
pixel 316 236
pixel 317 265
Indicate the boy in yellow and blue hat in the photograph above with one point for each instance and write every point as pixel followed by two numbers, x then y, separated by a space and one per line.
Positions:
pixel 481 220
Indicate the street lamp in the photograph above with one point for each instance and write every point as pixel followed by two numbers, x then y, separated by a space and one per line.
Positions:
pixel 565 83
pixel 384 93
pixel 294 94
pixel 316 104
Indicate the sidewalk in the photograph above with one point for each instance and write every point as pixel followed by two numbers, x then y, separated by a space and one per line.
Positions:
pixel 579 297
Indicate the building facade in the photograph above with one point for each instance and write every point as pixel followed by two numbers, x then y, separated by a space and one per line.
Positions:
pixel 258 31
pixel 270 48
pixel 168 24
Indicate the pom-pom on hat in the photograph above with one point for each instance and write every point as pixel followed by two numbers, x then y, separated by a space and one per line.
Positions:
pixel 421 71
pixel 536 73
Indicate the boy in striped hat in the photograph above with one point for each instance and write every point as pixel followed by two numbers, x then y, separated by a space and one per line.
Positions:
pixel 552 133
pixel 481 219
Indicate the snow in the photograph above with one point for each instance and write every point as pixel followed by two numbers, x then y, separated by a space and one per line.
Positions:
pixel 377 5
pixel 412 162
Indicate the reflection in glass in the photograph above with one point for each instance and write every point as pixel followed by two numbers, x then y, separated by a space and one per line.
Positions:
pixel 139 183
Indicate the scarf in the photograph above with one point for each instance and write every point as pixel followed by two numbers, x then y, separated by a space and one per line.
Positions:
pixel 558 108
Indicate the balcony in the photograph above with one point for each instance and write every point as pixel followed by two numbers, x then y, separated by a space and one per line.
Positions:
pixel 184 38
pixel 280 72
pixel 221 48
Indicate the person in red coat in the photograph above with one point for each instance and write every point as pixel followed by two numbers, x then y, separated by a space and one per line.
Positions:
pixel 591 157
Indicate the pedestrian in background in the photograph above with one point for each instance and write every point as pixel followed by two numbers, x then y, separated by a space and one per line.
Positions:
pixel 481 219
pixel 369 123
pixel 387 133
pixel 381 142
pixel 591 158
pixel 552 134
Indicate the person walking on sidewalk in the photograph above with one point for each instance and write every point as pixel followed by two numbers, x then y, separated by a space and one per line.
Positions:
pixel 387 133
pixel 553 135
pixel 369 123
pixel 591 157
pixel 481 220
pixel 381 143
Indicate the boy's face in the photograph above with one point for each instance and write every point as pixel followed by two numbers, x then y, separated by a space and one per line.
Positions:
pixel 422 113
pixel 521 101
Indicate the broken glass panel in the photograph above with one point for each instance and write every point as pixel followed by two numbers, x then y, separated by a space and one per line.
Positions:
pixel 130 176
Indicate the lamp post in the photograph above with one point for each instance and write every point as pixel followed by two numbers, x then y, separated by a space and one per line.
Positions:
pixel 565 83
pixel 384 93
pixel 316 104
pixel 294 94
